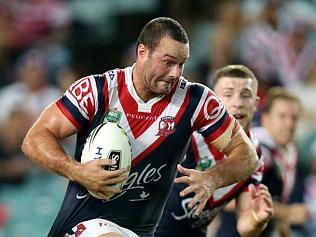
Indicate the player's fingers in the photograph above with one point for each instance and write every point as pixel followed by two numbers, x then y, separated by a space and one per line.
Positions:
pixel 187 190
pixel 183 179
pixel 116 180
pixel 270 211
pixel 105 162
pixel 252 190
pixel 183 170
pixel 196 199
pixel 111 190
pixel 268 201
pixel 107 192
pixel 265 193
pixel 263 187
pixel 115 173
pixel 201 206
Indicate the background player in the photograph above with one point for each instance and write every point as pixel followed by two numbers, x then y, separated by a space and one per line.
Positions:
pixel 279 118
pixel 143 99
pixel 237 87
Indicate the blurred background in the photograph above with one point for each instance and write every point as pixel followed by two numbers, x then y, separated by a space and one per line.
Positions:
pixel 45 45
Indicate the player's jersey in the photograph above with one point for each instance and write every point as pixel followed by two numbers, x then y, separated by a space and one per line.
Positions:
pixel 280 165
pixel 177 216
pixel 278 176
pixel 159 131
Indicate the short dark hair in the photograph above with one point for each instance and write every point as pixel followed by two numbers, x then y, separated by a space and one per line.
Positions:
pixel 233 71
pixel 276 93
pixel 161 27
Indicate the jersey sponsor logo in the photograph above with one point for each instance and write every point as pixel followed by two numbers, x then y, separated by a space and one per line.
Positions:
pixel 166 126
pixel 212 108
pixel 141 117
pixel 113 116
pixel 204 219
pixel 183 84
pixel 188 213
pixel 137 180
pixel 83 94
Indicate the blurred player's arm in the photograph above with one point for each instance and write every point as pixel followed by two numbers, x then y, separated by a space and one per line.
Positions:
pixel 241 162
pixel 253 209
pixel 293 214
pixel 42 146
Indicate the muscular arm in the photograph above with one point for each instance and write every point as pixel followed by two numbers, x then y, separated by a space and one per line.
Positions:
pixel 241 157
pixel 42 146
pixel 240 163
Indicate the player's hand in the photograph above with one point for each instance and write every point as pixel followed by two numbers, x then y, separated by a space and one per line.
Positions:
pixel 95 178
pixel 198 182
pixel 261 204
pixel 284 229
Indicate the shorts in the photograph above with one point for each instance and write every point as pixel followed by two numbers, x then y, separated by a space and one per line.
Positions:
pixel 96 227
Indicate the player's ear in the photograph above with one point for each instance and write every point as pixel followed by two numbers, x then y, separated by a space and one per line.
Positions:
pixel 142 51
pixel 257 101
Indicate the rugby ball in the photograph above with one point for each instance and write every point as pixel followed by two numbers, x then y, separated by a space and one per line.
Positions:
pixel 108 141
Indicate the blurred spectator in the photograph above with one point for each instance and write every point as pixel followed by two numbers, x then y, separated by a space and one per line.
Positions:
pixel 278 46
pixel 225 35
pixel 310 192
pixel 298 20
pixel 307 124
pixel 261 43
pixel 31 20
pixel 14 167
pixel 25 24
pixel 21 102
pixel 31 92
pixel 65 77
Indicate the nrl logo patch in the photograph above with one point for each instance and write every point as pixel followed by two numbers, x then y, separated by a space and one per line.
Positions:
pixel 166 126
pixel 204 163
pixel 113 116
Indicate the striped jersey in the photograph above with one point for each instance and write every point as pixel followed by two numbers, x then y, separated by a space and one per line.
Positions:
pixel 159 131
pixel 280 165
pixel 177 216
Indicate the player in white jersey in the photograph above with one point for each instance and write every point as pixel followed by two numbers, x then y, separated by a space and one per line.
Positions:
pixel 159 110
pixel 237 87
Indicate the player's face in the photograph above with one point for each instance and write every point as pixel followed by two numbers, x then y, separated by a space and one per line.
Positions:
pixel 239 95
pixel 164 66
pixel 281 120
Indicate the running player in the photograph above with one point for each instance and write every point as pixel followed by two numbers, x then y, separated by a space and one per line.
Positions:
pixel 159 110
pixel 237 87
